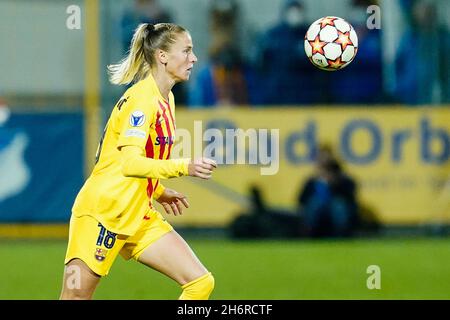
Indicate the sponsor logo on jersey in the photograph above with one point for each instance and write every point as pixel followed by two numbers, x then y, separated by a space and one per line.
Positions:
pixel 137 118
pixel 160 140
pixel 135 133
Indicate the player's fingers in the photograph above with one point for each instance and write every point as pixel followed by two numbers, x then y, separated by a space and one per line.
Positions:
pixel 185 202
pixel 202 175
pixel 203 170
pixel 209 161
pixel 179 206
pixel 166 207
pixel 174 209
pixel 207 166
pixel 183 199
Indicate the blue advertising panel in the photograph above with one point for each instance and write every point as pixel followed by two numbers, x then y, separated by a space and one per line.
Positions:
pixel 41 166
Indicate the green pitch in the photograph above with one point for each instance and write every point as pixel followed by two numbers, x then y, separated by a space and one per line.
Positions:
pixel 410 269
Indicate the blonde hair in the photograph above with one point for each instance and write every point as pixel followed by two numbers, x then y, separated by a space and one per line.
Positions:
pixel 146 40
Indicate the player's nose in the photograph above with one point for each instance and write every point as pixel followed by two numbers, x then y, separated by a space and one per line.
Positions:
pixel 193 58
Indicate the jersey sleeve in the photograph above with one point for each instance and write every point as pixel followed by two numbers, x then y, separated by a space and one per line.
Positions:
pixel 136 164
pixel 133 122
pixel 158 191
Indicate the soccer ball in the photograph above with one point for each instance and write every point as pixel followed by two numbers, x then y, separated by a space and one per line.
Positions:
pixel 331 43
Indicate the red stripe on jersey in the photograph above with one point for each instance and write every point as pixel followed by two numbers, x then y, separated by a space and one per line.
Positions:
pixel 160 134
pixel 149 151
pixel 171 116
pixel 169 131
pixel 174 128
pixel 170 149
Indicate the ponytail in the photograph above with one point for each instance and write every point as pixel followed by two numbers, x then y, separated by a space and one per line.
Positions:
pixel 146 39
pixel 133 67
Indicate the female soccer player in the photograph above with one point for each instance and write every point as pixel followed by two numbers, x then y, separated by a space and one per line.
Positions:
pixel 113 212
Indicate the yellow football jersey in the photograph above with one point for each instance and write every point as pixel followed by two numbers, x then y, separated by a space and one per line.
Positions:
pixel 142 118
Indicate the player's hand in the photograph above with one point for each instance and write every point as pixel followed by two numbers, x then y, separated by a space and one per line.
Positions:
pixel 202 168
pixel 173 202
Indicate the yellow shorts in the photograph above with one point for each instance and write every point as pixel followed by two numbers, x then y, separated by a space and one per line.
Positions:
pixel 98 247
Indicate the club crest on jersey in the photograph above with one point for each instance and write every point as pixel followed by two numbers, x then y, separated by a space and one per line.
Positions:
pixel 100 254
pixel 137 118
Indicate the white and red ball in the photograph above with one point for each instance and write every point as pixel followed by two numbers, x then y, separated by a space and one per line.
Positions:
pixel 331 43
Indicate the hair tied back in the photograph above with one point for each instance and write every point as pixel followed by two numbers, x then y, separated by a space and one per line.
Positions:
pixel 150 27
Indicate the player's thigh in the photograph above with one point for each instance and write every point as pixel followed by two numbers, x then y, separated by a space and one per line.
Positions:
pixel 92 243
pixel 79 281
pixel 172 256
pixel 91 251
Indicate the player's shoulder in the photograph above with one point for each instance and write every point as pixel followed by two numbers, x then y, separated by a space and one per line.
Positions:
pixel 140 95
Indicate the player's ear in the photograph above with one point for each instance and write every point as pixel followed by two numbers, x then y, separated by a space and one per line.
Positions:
pixel 162 56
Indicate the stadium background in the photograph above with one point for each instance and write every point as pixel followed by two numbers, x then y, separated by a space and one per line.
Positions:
pixel 56 98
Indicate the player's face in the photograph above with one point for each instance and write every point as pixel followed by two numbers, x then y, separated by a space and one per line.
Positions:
pixel 181 58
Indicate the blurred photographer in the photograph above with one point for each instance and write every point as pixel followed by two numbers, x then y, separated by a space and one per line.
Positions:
pixel 328 199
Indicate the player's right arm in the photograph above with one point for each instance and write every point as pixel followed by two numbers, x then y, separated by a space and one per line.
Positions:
pixel 136 164
pixel 133 125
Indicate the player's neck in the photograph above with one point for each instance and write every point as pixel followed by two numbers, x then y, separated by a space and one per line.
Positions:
pixel 163 82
